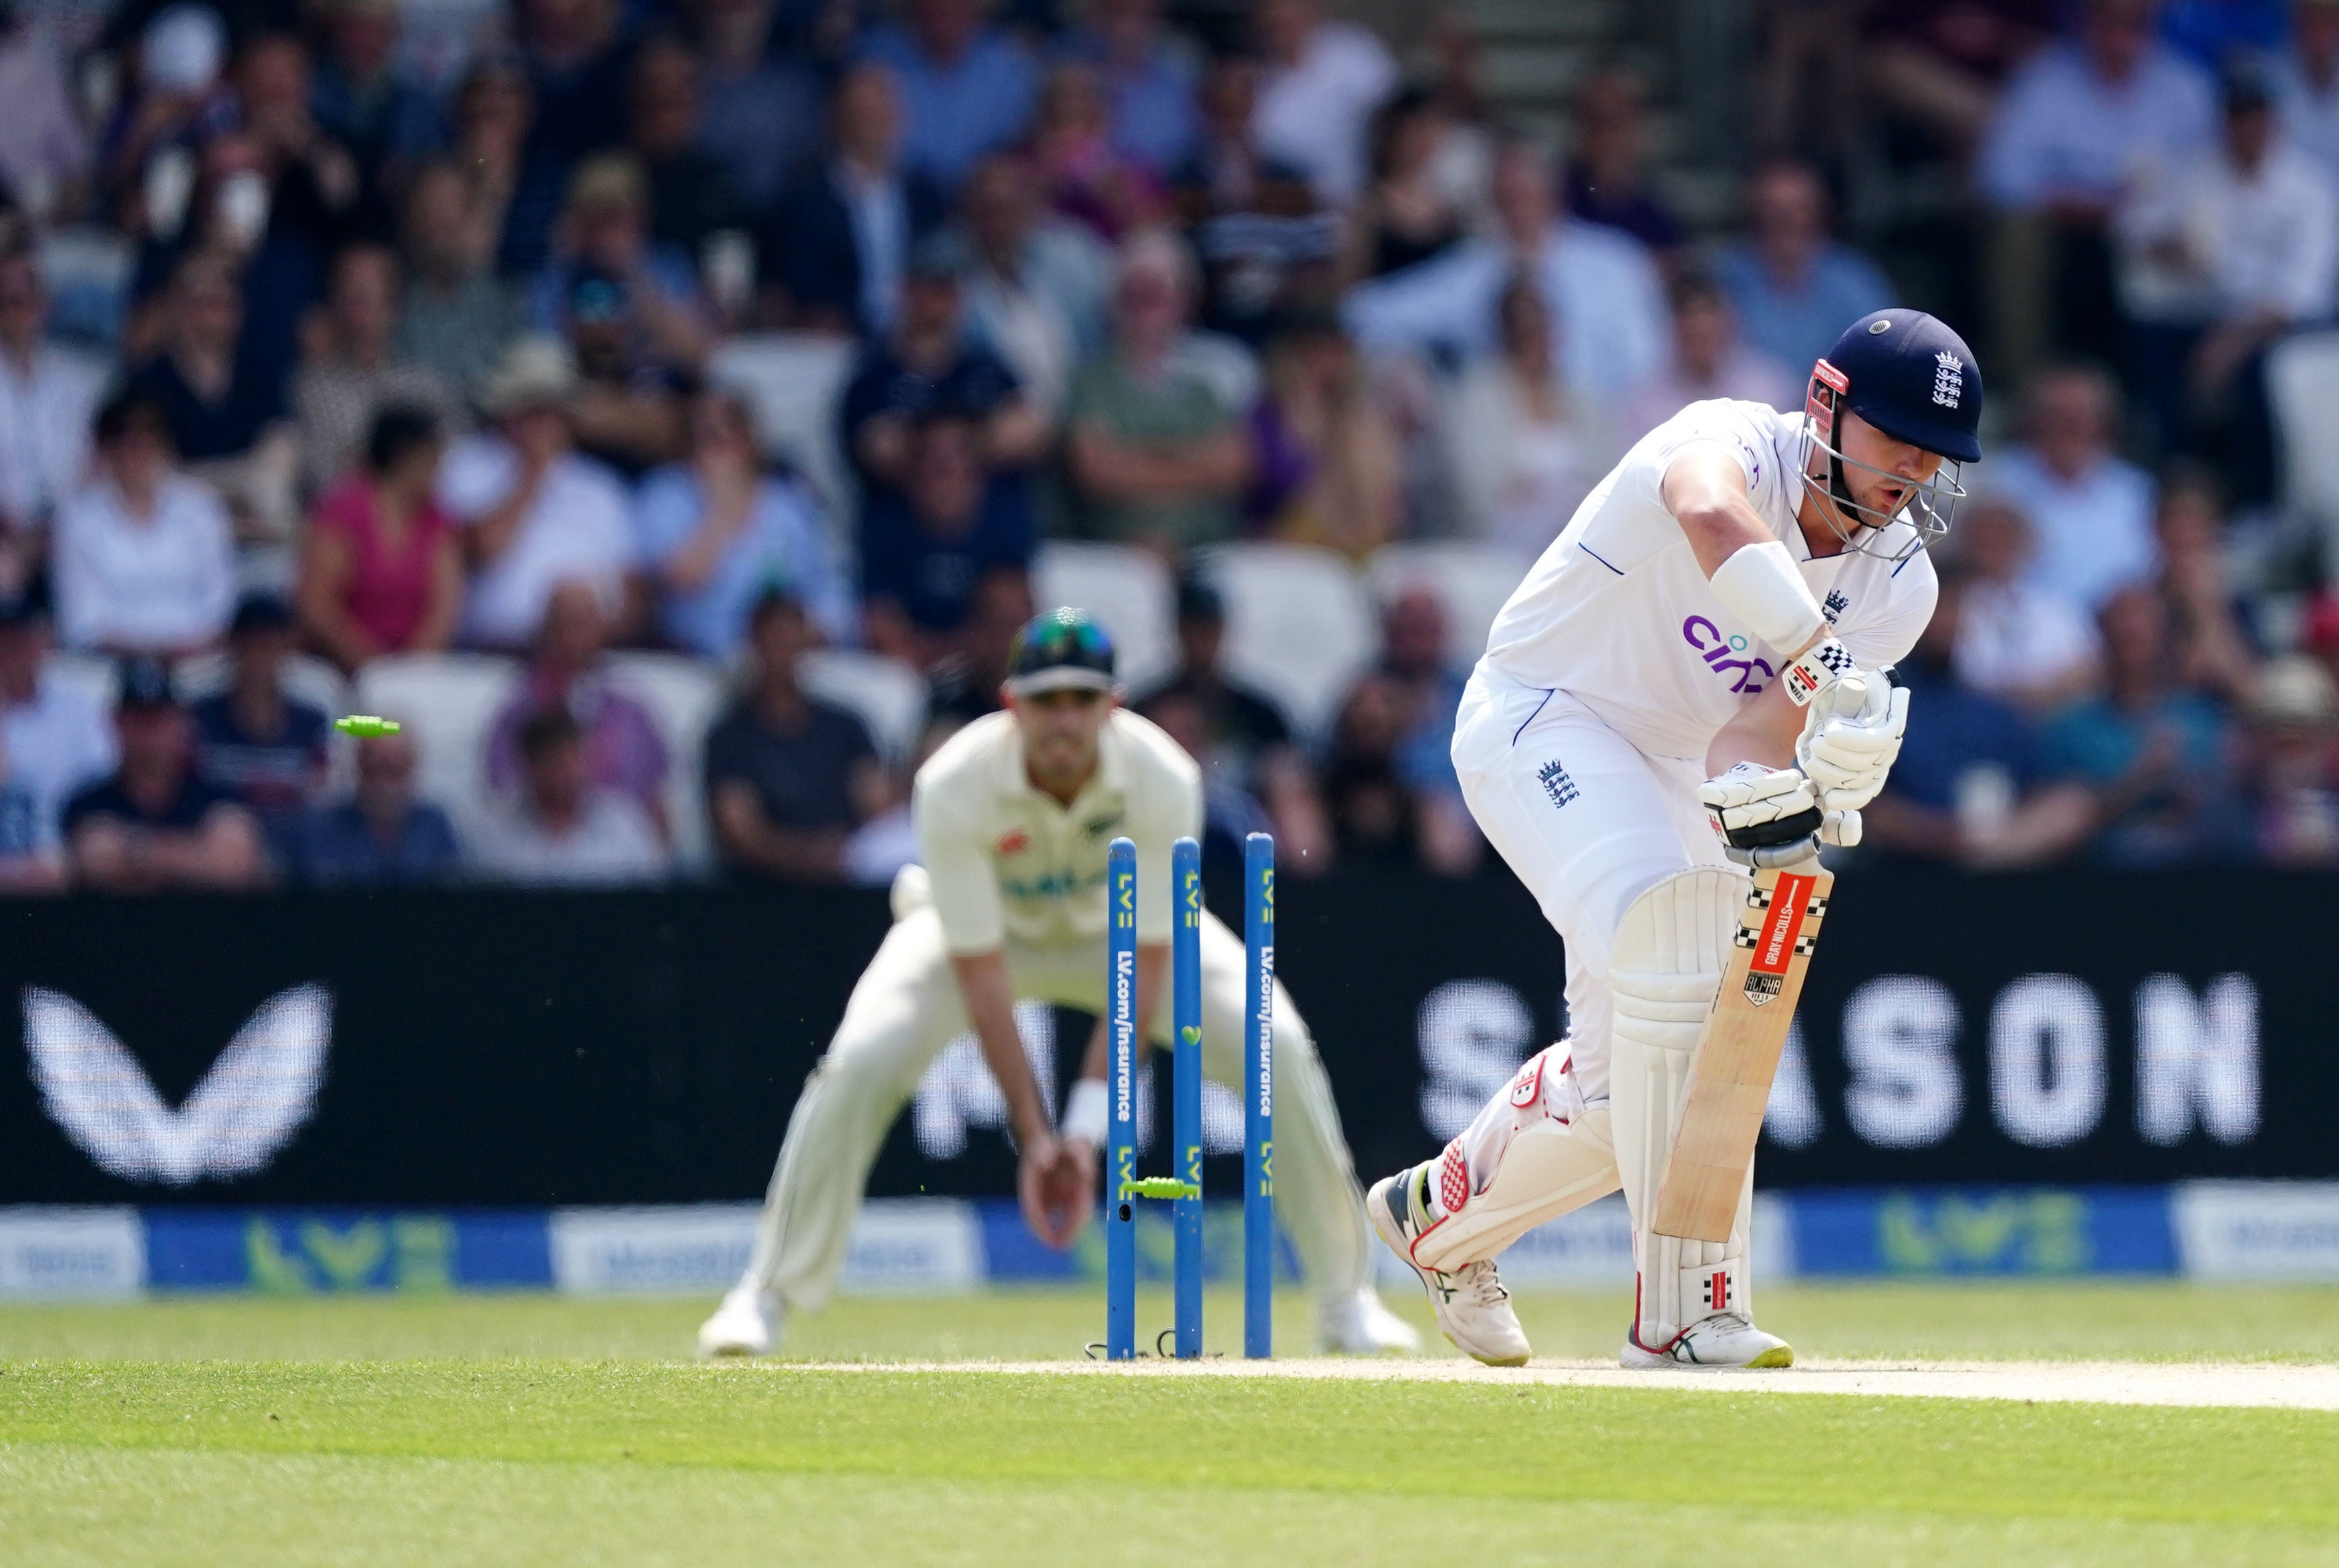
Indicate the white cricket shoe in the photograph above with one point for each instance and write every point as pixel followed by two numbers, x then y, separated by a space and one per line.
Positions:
pixel 1359 1325
pixel 1725 1341
pixel 1473 1308
pixel 744 1324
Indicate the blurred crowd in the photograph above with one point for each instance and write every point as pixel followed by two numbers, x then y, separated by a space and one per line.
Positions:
pixel 341 335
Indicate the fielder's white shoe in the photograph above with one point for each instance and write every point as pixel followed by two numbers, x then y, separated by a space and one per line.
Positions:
pixel 1473 1308
pixel 1725 1341
pixel 1359 1325
pixel 744 1324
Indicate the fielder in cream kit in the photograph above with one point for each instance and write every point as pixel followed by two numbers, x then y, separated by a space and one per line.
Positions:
pixel 1014 816
pixel 1689 683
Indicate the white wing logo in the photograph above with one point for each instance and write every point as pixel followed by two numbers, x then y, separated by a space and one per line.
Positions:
pixel 255 1097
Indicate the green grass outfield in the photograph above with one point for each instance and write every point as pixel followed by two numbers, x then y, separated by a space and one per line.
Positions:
pixel 533 1429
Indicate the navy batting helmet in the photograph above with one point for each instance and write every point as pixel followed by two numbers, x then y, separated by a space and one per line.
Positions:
pixel 1913 379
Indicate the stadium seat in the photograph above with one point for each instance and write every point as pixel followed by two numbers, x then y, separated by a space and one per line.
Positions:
pixel 445 701
pixel 888 695
pixel 1299 625
pixel 794 380
pixel 1472 580
pixel 1127 590
pixel 2303 384
pixel 685 697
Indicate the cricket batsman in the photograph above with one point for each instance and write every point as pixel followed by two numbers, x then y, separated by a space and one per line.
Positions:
pixel 1664 703
pixel 1014 815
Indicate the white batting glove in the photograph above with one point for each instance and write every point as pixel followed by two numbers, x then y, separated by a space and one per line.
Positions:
pixel 1745 806
pixel 1850 739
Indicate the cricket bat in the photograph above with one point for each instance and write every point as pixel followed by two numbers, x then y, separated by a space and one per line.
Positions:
pixel 1738 1052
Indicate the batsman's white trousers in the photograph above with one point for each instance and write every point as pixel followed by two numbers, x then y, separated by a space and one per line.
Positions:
pixel 907 1007
pixel 1587 820
pixel 1591 823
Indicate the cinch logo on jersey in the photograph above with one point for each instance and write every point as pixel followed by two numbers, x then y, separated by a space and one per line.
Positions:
pixel 1722 655
pixel 1015 843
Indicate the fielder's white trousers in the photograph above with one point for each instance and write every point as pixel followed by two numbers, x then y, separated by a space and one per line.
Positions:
pixel 907 1007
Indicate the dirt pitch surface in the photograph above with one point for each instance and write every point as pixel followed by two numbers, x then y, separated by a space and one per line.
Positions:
pixel 2259 1386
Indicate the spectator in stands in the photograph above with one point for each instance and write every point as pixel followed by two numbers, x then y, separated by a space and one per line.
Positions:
pixel 1154 453
pixel 1376 818
pixel 1792 286
pixel 925 551
pixel 2222 255
pixel 157 822
pixel 1971 787
pixel 1035 285
pixel 314 203
pixel 254 740
pixel 1325 459
pixel 175 95
pixel 2154 754
pixel 2288 811
pixel 968 88
pixel 839 242
pixel 624 752
pixel 560 831
pixel 2092 511
pixel 533 513
pixel 1149 80
pixel 1084 177
pixel 579 56
pixel 144 563
pixel 630 307
pixel 2305 79
pixel 691 195
pixel 718 533
pixel 458 318
pixel 2020 640
pixel 354 369
pixel 1521 450
pixel 1407 215
pixel 1414 662
pixel 225 413
pixel 56 737
pixel 1324 80
pixel 383 835
pixel 1710 358
pixel 381 570
pixel 761 106
pixel 2212 645
pixel 366 100
pixel 45 153
pixel 1937 66
pixel 29 863
pixel 494 115
pixel 1603 291
pixel 928 361
pixel 1263 238
pixel 1608 177
pixel 964 685
pixel 2076 123
pixel 789 778
pixel 46 401
pixel 1240 735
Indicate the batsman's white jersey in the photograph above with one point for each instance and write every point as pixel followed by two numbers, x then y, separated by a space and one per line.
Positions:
pixel 1580 745
pixel 1009 869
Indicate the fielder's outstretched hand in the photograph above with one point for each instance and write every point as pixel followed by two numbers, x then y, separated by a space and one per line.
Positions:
pixel 1057 1184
